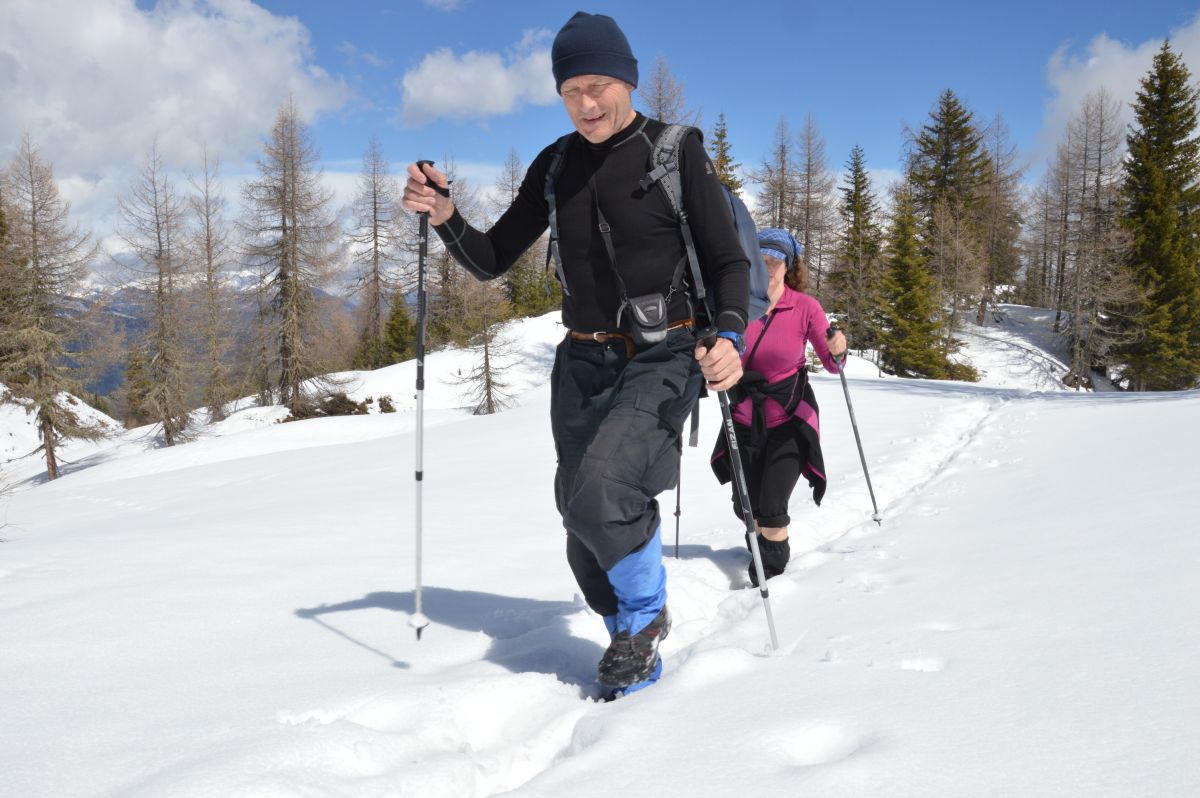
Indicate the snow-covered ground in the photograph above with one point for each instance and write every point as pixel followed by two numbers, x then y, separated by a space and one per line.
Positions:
pixel 229 617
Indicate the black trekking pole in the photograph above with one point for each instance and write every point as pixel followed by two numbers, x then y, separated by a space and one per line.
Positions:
pixel 708 339
pixel 418 620
pixel 877 518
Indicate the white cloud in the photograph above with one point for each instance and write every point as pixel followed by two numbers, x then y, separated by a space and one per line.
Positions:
pixel 343 184
pixel 444 5
pixel 1110 64
pixel 95 81
pixel 477 85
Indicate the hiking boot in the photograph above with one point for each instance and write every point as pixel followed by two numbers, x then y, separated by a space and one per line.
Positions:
pixel 775 555
pixel 632 658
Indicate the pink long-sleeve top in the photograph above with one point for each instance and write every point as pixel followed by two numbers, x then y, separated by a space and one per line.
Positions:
pixel 798 318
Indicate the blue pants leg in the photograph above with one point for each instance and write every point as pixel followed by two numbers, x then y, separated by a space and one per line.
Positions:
pixel 639 581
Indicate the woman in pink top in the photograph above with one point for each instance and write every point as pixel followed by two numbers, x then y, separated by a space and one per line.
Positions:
pixel 775 415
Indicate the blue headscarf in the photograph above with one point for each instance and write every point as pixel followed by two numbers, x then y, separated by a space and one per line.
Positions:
pixel 780 244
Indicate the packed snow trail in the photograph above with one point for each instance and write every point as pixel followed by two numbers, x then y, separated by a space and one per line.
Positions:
pixel 947 654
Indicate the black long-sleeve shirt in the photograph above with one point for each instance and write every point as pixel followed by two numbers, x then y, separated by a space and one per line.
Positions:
pixel 646 235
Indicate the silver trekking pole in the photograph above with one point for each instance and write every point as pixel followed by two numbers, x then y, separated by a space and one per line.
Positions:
pixel 418 620
pixel 708 338
pixel 877 518
pixel 678 504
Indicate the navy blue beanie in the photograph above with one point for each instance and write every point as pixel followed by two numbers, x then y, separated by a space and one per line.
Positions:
pixel 592 44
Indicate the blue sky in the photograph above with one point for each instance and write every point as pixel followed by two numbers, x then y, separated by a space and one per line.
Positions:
pixel 94 81
pixel 862 69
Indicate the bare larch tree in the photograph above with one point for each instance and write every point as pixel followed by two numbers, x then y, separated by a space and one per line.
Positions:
pixel 663 97
pixel 289 231
pixel 152 229
pixel 378 253
pixel 49 257
pixel 210 247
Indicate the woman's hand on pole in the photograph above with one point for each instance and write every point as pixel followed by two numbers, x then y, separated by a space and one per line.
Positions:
pixel 837 342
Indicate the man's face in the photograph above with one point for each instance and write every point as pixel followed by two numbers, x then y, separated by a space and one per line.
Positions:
pixel 599 106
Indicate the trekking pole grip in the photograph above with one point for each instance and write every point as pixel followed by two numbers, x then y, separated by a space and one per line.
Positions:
pixel 445 192
pixel 829 333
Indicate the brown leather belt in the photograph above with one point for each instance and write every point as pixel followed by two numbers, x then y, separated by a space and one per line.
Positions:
pixel 607 337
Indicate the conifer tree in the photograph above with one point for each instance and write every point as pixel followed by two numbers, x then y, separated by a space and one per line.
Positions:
pixel 722 156
pixel 857 277
pixel 949 170
pixel 400 334
pixel 1163 216
pixel 910 343
pixel 136 387
pixel 949 160
pixel 50 256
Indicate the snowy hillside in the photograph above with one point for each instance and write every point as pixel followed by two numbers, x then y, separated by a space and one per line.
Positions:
pixel 229 618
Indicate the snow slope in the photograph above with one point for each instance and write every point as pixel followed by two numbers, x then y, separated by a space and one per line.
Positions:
pixel 229 618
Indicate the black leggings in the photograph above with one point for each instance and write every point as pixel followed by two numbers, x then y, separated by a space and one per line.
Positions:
pixel 773 468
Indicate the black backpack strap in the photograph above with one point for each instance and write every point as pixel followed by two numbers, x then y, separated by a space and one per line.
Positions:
pixel 665 155
pixel 664 170
pixel 556 165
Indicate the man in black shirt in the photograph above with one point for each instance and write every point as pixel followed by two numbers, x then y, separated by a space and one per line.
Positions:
pixel 619 398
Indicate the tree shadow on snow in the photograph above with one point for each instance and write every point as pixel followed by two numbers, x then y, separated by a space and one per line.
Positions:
pixel 528 635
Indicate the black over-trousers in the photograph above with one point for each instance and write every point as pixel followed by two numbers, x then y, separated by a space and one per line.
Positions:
pixel 617 425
